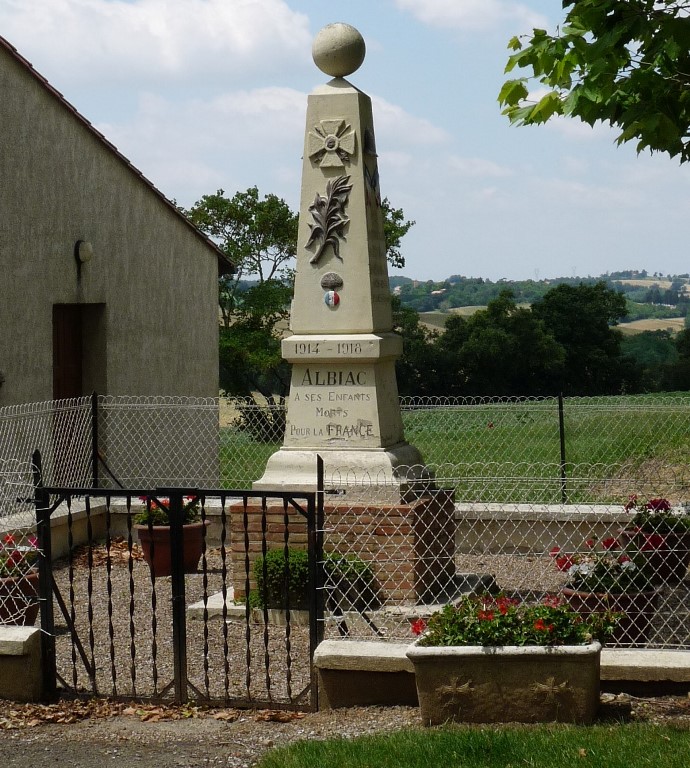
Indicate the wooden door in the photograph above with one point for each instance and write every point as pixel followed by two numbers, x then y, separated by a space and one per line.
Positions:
pixel 67 351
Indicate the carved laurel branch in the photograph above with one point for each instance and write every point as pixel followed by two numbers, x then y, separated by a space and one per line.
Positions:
pixel 329 217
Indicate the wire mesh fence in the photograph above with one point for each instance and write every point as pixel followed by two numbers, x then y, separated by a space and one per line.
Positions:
pixel 518 478
pixel 628 555
pixel 225 442
pixel 18 544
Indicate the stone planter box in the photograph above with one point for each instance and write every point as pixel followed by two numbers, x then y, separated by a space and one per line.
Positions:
pixel 531 684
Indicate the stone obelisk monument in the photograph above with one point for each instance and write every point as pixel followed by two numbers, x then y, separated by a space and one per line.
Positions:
pixel 343 401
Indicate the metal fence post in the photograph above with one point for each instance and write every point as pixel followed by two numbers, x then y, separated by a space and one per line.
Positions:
pixel 315 523
pixel 177 585
pixel 45 578
pixel 94 439
pixel 561 432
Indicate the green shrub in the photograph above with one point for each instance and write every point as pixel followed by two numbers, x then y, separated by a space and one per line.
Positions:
pixel 345 576
pixel 287 580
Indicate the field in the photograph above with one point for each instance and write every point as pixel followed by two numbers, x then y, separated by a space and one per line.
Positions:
pixel 511 451
pixel 672 324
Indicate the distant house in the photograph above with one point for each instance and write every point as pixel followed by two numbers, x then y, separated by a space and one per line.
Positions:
pixel 104 285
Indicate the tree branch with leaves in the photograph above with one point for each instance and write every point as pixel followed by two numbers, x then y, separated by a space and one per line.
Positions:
pixel 621 62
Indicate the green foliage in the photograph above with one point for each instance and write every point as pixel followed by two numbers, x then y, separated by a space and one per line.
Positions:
pixel 498 621
pixel 281 580
pixel 250 358
pixel 622 62
pixel 654 353
pixel 156 511
pixel 417 368
pixel 503 350
pixel 286 580
pixel 259 236
pixel 580 319
pixel 395 227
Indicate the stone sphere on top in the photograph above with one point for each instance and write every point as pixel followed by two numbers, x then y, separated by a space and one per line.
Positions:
pixel 338 50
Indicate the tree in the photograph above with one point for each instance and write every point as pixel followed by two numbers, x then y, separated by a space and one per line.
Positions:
pixel 502 350
pixel 580 318
pixel 416 368
pixel 394 229
pixel 258 235
pixel 622 62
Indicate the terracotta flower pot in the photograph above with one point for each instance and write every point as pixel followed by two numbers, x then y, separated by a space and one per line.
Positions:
pixel 639 609
pixel 19 599
pixel 667 554
pixel 155 545
pixel 530 684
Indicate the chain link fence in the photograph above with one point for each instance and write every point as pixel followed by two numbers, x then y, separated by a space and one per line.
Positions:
pixel 513 480
pixel 406 560
pixel 18 544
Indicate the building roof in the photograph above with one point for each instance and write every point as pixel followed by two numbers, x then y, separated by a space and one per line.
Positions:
pixel 225 265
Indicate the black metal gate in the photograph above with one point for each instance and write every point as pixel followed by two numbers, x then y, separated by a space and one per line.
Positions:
pixel 116 629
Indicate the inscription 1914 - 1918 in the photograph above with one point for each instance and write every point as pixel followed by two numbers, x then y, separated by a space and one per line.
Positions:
pixel 317 348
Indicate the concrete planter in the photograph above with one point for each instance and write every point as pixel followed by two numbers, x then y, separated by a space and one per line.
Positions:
pixel 532 684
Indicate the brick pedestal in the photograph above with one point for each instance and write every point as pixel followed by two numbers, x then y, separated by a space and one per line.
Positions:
pixel 410 546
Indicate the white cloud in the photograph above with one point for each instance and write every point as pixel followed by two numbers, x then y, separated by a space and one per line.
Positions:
pixel 395 126
pixel 152 40
pixel 472 14
pixel 190 148
pixel 478 167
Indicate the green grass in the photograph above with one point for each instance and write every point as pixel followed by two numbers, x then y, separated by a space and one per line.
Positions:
pixel 242 458
pixel 601 746
pixel 510 452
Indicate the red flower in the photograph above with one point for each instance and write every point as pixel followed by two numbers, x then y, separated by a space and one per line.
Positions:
pixel 653 541
pixel 610 543
pixel 632 502
pixel 485 615
pixel 552 601
pixel 590 543
pixel 624 559
pixel 554 551
pixel 506 601
pixel 418 626
pixel 541 626
pixel 658 505
pixel 565 562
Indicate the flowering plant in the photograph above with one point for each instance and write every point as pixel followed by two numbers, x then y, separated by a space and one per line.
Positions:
pixel 498 621
pixel 608 566
pixel 157 511
pixel 657 516
pixel 18 554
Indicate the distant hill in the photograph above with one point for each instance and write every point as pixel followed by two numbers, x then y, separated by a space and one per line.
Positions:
pixel 651 300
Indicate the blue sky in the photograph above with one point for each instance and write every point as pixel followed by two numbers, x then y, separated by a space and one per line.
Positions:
pixel 209 94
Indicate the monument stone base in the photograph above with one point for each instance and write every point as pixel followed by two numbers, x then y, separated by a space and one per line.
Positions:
pixel 378 470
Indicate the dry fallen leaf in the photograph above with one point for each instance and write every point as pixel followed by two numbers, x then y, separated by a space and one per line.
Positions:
pixel 228 715
pixel 278 715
